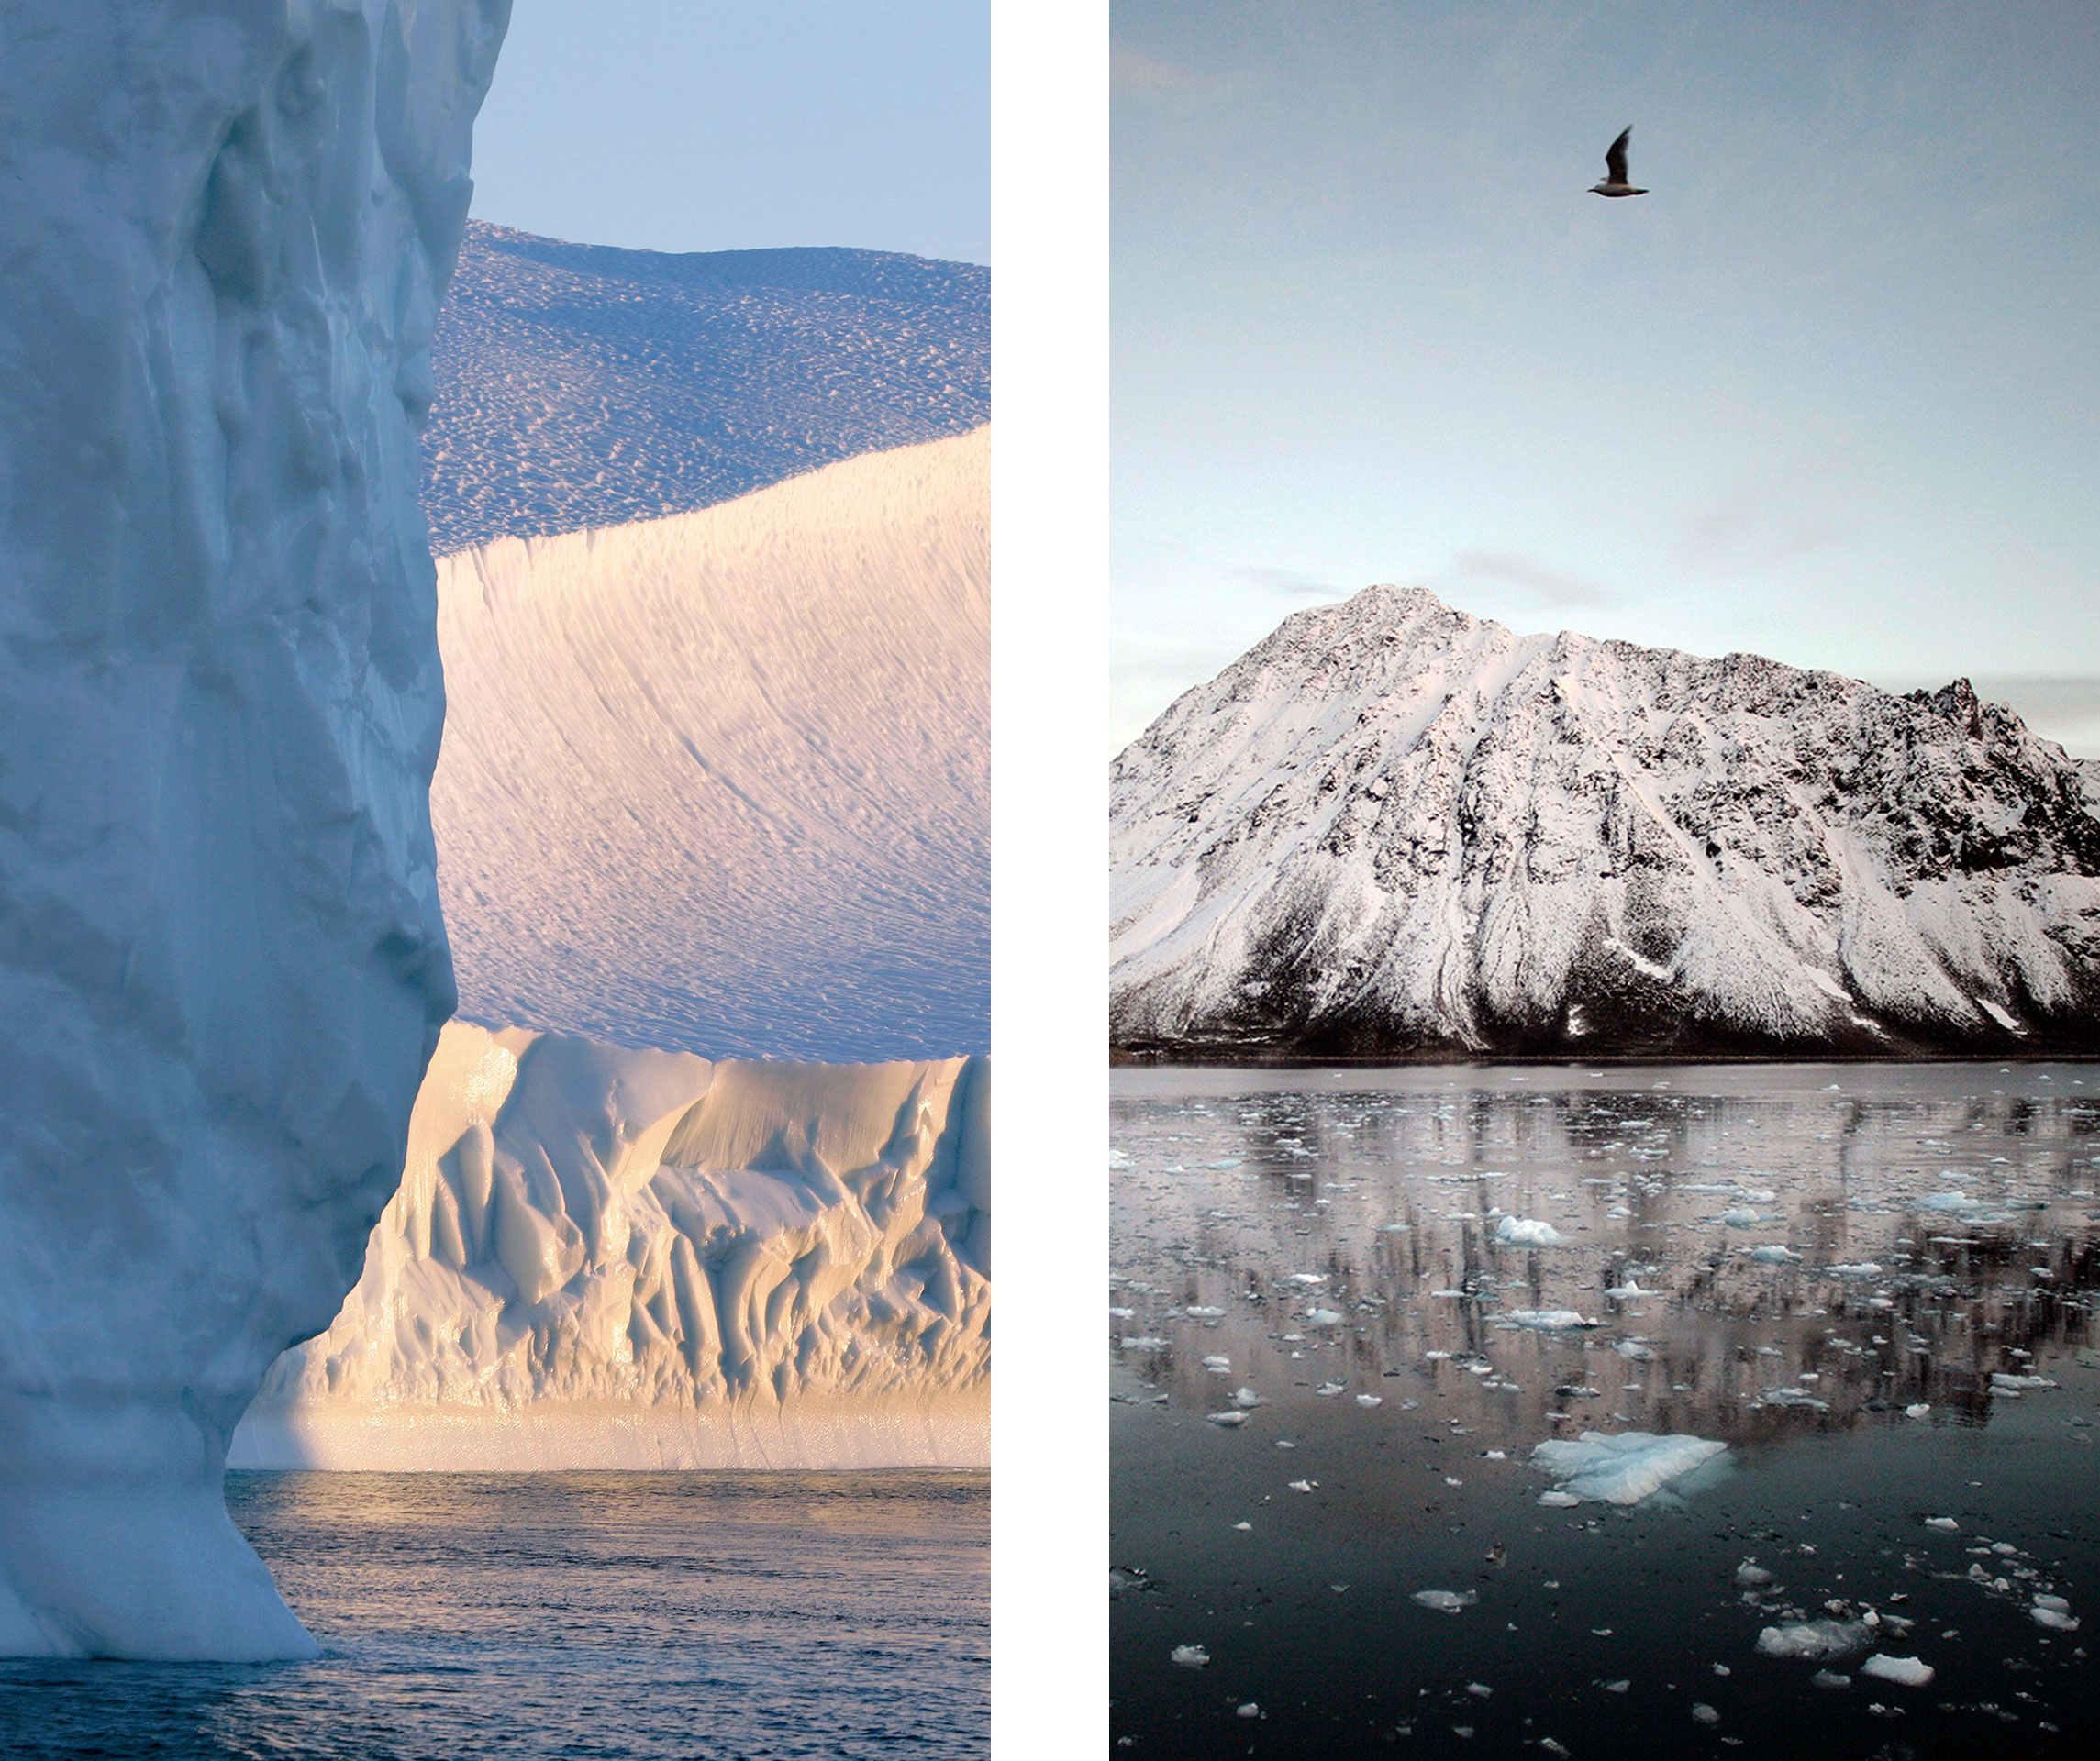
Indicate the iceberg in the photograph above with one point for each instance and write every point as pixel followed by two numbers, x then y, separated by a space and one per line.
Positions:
pixel 226 232
pixel 601 1259
pixel 1623 1468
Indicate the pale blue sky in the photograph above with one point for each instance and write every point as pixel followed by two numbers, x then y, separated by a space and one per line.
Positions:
pixel 699 125
pixel 1831 392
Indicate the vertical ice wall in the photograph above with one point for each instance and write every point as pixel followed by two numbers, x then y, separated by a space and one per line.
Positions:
pixel 224 228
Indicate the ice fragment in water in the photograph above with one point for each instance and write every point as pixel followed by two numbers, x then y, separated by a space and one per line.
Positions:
pixel 1226 1419
pixel 1445 1601
pixel 1252 1708
pixel 1907 1672
pixel 1527 1231
pixel 1818 1641
pixel 1549 1320
pixel 1622 1468
pixel 1190 1656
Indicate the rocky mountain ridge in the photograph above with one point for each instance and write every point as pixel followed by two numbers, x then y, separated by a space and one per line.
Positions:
pixel 1392 829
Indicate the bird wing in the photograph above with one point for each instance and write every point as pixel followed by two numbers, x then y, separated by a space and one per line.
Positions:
pixel 1615 158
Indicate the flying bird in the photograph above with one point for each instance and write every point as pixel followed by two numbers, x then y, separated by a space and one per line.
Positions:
pixel 1615 181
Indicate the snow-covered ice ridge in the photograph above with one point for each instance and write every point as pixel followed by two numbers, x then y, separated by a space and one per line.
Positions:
pixel 609 1258
pixel 1393 827
pixel 581 385
pixel 720 782
pixel 222 966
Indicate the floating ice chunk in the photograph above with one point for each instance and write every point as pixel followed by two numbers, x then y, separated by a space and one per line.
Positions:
pixel 2002 1383
pixel 1917 1409
pixel 1246 1397
pixel 1370 1400
pixel 1327 1390
pixel 1143 1342
pixel 1227 1418
pixel 1190 1656
pixel 1527 1232
pixel 1946 1523
pixel 1622 1468
pixel 1865 1268
pixel 1635 1350
pixel 1252 1708
pixel 1906 1672
pixel 1789 1396
pixel 1817 1641
pixel 1323 1317
pixel 1309 1278
pixel 1829 1678
pixel 2054 1612
pixel 1199 1313
pixel 1554 1499
pixel 1772 1254
pixel 1304 1484
pixel 1218 1365
pixel 1628 1291
pixel 1739 1218
pixel 1445 1601
pixel 1750 1575
pixel 1705 1714
pixel 1547 1320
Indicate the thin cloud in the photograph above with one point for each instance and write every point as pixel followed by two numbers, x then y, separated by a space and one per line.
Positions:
pixel 1139 73
pixel 1287 584
pixel 1512 567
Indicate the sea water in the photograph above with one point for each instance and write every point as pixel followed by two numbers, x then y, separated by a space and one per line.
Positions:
pixel 620 1616
pixel 1852 1307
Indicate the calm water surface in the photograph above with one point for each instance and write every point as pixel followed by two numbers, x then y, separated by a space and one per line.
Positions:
pixel 1337 1344
pixel 601 1615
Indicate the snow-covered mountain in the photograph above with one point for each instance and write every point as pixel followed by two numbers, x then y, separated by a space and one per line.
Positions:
pixel 719 783
pixel 583 385
pixel 1391 828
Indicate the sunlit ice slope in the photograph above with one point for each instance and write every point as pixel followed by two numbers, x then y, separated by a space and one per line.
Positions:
pixel 719 783
pixel 584 385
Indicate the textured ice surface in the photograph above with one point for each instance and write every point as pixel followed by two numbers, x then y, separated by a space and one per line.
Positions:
pixel 610 1258
pixel 721 783
pixel 225 232
pixel 580 385
pixel 1391 826
pixel 1622 1468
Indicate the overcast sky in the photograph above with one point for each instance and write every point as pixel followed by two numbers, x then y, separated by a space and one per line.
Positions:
pixel 1830 393
pixel 699 125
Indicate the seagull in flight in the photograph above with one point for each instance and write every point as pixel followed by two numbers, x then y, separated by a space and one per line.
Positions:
pixel 1615 181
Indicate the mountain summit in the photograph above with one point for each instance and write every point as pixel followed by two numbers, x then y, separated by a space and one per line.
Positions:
pixel 1392 829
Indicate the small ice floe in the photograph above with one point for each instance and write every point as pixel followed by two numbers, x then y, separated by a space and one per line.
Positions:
pixel 1370 1400
pixel 1246 1398
pixel 1304 1484
pixel 1628 1291
pixel 1905 1672
pixel 1830 1679
pixel 1480 1690
pixel 1917 1409
pixel 1445 1601
pixel 1556 1500
pixel 1705 1714
pixel 1817 1641
pixel 1622 1468
pixel 1750 1575
pixel 2002 1383
pixel 1619 1687
pixel 1199 1313
pixel 1790 1396
pixel 1946 1523
pixel 1143 1342
pixel 1552 1747
pixel 2054 1612
pixel 1244 1527
pixel 1739 1217
pixel 1190 1656
pixel 1218 1365
pixel 1227 1418
pixel 1865 1268
pixel 1309 1278
pixel 1252 1708
pixel 1327 1390
pixel 1527 1231
pixel 1547 1320
pixel 1634 1350
pixel 1323 1317
pixel 1772 1254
